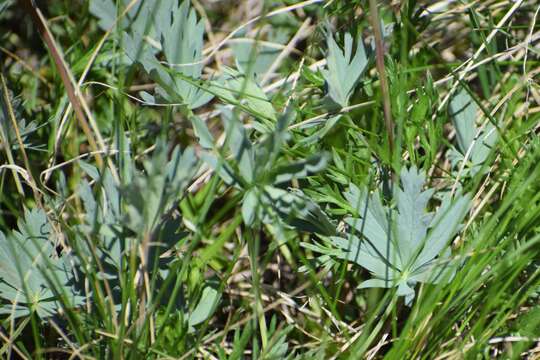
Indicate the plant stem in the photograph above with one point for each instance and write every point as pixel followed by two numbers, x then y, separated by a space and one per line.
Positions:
pixel 379 54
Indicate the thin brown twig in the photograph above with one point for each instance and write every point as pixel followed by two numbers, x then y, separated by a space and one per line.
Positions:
pixel 85 72
pixel 37 17
pixel 379 54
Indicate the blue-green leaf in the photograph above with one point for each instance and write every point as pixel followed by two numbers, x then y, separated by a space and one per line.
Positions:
pixel 463 110
pixel 444 226
pixel 250 206
pixel 344 70
pixel 206 306
pixel 412 219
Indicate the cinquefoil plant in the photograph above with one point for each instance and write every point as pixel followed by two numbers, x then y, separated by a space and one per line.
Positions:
pixel 33 277
pixel 399 246
pixel 260 171
pixel 122 217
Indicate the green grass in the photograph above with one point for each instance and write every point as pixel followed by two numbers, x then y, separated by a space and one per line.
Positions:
pixel 245 186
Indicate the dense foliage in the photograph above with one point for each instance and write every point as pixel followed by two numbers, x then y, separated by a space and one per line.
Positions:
pixel 269 179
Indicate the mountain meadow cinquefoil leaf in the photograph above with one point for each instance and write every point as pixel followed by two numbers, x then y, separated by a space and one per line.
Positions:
pixel 402 245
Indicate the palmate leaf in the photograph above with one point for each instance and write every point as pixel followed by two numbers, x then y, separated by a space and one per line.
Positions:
pixel 404 245
pixel 105 11
pixel 150 195
pixel 355 250
pixel 343 68
pixel 444 226
pixel 342 74
pixel 144 17
pixel 182 43
pixel 146 200
pixel 180 35
pixel 139 26
pixel 102 219
pixel 292 206
pixel 32 275
pixel 119 216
